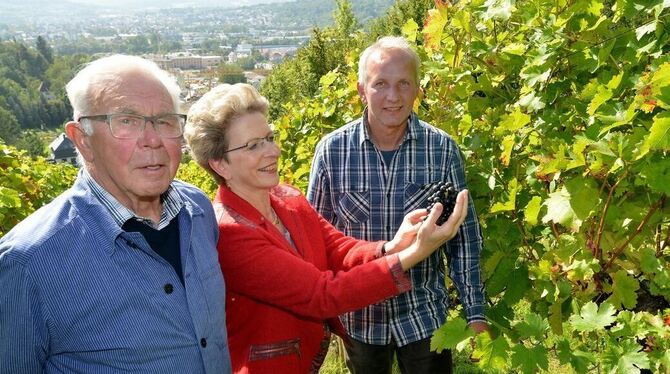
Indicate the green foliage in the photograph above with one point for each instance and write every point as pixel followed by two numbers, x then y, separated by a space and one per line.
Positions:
pixel 189 171
pixel 26 184
pixel 561 110
pixel 26 88
pixel 231 74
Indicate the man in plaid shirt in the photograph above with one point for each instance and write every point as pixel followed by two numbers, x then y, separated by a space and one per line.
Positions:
pixel 365 177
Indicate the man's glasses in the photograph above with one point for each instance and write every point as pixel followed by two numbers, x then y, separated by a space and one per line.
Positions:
pixel 131 126
pixel 256 143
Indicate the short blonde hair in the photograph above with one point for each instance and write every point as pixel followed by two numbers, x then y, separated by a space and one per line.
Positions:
pixel 209 119
pixel 384 44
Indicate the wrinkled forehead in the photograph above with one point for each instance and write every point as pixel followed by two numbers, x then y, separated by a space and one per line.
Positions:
pixel 132 92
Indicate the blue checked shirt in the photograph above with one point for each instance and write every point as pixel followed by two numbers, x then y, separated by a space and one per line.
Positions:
pixel 352 186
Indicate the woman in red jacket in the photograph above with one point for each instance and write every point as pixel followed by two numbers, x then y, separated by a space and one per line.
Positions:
pixel 289 272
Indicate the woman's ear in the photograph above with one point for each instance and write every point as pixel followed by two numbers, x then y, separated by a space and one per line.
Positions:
pixel 77 135
pixel 221 167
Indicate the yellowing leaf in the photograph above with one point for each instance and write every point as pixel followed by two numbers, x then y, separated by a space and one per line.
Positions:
pixel 532 210
pixel 433 27
pixel 508 205
pixel 507 145
pixel 409 30
pixel 599 99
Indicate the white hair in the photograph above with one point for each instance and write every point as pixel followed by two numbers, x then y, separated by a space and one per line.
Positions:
pixel 385 44
pixel 86 89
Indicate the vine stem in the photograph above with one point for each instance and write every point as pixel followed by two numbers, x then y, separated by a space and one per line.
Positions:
pixel 638 230
pixel 597 253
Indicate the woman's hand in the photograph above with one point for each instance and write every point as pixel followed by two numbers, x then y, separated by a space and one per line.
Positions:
pixel 430 236
pixel 407 232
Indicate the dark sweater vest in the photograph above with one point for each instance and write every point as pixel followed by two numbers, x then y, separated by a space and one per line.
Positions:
pixel 165 242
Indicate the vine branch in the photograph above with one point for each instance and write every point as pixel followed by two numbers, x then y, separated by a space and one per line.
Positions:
pixel 638 230
pixel 597 253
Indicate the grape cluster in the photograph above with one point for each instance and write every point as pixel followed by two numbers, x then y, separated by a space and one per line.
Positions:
pixel 445 193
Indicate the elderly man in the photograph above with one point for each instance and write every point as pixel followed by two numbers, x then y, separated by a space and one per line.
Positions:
pixel 120 272
pixel 364 178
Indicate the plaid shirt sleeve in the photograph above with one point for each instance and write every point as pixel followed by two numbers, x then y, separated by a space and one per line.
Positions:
pixel 318 191
pixel 464 251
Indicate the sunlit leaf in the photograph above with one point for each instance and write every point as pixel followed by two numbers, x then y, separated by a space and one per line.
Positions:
pixel 592 317
pixel 450 334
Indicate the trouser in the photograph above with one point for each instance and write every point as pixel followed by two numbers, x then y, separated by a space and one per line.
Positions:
pixel 413 358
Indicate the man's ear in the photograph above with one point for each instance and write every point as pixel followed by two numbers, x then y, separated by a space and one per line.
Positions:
pixel 361 92
pixel 220 166
pixel 77 135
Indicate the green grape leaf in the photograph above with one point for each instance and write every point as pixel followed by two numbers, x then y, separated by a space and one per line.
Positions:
pixel 592 317
pixel 9 197
pixel 659 134
pixel 625 357
pixel 559 210
pixel 512 189
pixel 518 284
pixel 512 122
pixel 531 102
pixel 645 29
pixel 533 326
pixel 532 210
pixel 601 97
pixel 577 359
pixel 498 9
pixel 623 290
pixel 450 334
pixel 492 354
pixel 583 196
pixel 499 279
pixel 517 49
pixel 530 360
pixel 657 175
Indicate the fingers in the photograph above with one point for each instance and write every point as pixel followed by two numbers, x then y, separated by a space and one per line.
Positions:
pixel 460 210
pixel 434 214
pixel 416 216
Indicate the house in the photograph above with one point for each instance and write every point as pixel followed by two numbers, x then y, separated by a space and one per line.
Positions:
pixel 62 150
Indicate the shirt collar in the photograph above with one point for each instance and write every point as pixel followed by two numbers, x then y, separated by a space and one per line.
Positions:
pixel 364 129
pixel 172 204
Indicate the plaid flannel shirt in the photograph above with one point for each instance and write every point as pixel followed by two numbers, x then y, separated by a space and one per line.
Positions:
pixel 352 187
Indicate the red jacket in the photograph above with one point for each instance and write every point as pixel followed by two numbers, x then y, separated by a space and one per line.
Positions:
pixel 277 298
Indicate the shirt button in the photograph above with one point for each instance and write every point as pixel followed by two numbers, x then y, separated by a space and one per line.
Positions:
pixel 203 342
pixel 168 288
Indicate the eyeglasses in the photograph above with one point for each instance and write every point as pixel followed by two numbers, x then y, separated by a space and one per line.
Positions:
pixel 256 143
pixel 131 126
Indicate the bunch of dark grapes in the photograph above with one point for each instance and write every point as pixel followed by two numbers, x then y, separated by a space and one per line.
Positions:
pixel 445 193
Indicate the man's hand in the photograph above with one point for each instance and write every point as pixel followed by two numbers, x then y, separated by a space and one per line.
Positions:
pixel 430 236
pixel 478 327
